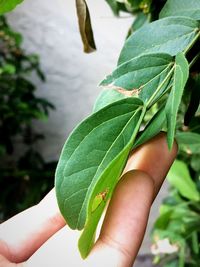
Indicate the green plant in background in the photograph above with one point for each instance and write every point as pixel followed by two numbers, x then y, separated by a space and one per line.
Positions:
pixel 155 85
pixel 20 178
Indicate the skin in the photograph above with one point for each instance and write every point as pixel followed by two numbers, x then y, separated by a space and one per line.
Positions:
pixel 37 236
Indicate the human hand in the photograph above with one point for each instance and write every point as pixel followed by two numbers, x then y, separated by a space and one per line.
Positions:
pixel 37 237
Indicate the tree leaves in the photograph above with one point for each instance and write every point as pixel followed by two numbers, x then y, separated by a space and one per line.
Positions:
pixel 180 77
pixel 180 178
pixel 185 8
pixel 89 152
pixel 85 26
pixel 169 35
pixel 8 5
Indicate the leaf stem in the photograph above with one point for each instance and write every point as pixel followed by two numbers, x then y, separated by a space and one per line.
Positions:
pixel 194 60
pixel 148 104
pixel 192 43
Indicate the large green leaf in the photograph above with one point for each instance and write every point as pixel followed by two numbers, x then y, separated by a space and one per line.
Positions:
pixel 106 186
pixel 181 74
pixel 169 35
pixel 8 5
pixel 179 177
pixel 88 153
pixel 85 26
pixel 187 8
pixel 141 76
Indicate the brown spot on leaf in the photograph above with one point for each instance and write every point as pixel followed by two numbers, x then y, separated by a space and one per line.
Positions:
pixel 129 93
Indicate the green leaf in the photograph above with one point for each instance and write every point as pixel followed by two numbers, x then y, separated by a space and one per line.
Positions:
pixel 163 220
pixel 114 6
pixel 187 8
pixel 88 153
pixel 140 76
pixel 106 186
pixel 8 5
pixel 179 177
pixel 168 35
pixel 181 74
pixel 85 26
pixel 152 128
pixel 140 21
pixel 188 142
pixel 106 97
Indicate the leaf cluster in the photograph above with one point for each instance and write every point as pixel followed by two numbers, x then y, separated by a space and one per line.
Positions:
pixel 153 69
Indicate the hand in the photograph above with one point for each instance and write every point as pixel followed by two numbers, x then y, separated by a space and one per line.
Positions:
pixel 37 237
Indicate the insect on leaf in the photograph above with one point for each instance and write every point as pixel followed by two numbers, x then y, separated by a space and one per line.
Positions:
pixel 85 26
pixel 181 74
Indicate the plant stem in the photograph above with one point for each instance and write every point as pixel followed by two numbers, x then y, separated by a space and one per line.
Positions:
pixel 148 104
pixel 192 43
pixel 194 60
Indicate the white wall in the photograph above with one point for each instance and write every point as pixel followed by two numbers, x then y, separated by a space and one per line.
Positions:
pixel 50 29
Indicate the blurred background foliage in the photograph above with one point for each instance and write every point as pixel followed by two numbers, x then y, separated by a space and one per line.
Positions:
pixel 24 175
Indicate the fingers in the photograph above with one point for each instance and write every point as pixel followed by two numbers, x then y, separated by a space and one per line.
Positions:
pixel 154 158
pixel 5 263
pixel 23 234
pixel 127 215
pixel 123 228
